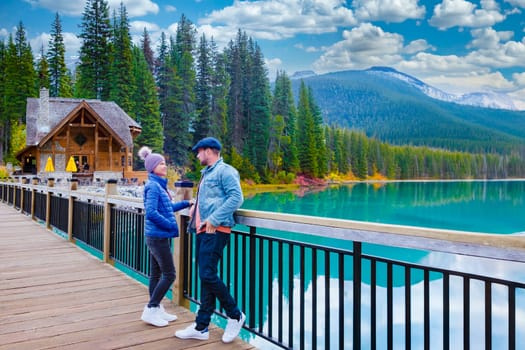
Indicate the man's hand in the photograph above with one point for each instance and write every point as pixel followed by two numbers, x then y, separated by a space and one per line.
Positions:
pixel 209 227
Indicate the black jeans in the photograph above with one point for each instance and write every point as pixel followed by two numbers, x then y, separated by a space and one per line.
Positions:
pixel 162 269
pixel 209 253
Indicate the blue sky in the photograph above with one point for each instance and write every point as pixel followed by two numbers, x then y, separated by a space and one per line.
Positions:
pixel 456 45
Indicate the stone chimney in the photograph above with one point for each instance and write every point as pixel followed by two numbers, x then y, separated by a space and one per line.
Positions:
pixel 42 122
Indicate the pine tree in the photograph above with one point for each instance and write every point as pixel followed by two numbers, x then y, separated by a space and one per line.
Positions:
pixel 202 122
pixel 320 143
pixel 306 134
pixel 258 112
pixel 3 116
pixel 122 85
pixel 237 99
pixel 162 74
pixel 60 80
pixel 42 71
pixel 145 45
pixel 19 84
pixel 178 124
pixel 93 70
pixel 220 83
pixel 146 108
pixel 169 89
pixel 283 104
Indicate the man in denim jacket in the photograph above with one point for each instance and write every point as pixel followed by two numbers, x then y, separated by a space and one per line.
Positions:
pixel 219 196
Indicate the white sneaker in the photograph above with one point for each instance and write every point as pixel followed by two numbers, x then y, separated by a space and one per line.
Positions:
pixel 153 316
pixel 233 327
pixel 191 333
pixel 166 316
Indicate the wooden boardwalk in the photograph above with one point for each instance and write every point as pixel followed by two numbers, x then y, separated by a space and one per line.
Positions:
pixel 54 295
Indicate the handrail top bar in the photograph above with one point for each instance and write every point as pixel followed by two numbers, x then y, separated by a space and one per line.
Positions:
pixel 489 245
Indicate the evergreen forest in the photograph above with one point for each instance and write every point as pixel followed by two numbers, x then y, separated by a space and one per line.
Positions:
pixel 185 88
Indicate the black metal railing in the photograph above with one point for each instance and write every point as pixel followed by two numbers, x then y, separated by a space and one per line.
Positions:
pixel 88 224
pixel 17 197
pixel 40 206
pixel 127 240
pixel 59 213
pixel 265 274
pixel 27 201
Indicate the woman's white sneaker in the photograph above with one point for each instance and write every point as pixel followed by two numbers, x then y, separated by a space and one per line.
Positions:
pixel 153 316
pixel 166 316
pixel 191 333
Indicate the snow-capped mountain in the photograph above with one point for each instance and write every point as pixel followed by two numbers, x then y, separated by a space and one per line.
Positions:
pixel 478 99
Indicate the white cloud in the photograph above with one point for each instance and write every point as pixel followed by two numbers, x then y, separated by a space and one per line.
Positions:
pixel 418 46
pixel 518 3
pixel 4 34
pixel 388 10
pixel 361 47
pixel 76 8
pixel 488 38
pixel 519 78
pixel 469 82
pixel 71 42
pixel 518 97
pixel 281 19
pixel 221 35
pixel 138 27
pixel 503 55
pixel 273 65
pixel 136 8
pixel 170 8
pixel 309 49
pixel 423 63
pixel 64 7
pixel 452 13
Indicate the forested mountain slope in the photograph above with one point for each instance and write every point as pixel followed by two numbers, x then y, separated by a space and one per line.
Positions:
pixel 397 111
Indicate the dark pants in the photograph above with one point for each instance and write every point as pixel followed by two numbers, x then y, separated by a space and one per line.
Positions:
pixel 162 269
pixel 209 253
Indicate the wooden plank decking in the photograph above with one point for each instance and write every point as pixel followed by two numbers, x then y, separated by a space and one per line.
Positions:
pixel 54 295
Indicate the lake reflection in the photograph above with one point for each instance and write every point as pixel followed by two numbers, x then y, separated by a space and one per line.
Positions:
pixel 478 206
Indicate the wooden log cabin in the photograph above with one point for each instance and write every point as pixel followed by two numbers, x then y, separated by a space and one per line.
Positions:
pixel 93 132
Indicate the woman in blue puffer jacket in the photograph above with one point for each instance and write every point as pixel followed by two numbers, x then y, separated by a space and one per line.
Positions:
pixel 160 228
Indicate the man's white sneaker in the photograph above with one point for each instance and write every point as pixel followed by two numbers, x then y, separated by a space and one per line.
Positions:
pixel 191 333
pixel 166 316
pixel 153 316
pixel 233 327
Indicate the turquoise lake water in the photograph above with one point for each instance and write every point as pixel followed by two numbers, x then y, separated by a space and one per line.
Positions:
pixel 478 206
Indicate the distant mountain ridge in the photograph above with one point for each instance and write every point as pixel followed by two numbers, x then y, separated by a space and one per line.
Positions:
pixel 478 99
pixel 398 108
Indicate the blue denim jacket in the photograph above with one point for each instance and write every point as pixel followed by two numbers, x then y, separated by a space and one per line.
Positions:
pixel 159 219
pixel 220 194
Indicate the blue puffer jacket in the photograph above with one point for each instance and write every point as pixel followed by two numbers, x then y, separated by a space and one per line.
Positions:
pixel 160 221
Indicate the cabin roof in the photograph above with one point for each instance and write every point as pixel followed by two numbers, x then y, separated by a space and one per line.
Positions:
pixel 60 108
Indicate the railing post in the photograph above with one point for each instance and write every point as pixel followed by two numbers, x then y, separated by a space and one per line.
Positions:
pixel 71 203
pixel 34 182
pixel 111 190
pixel 357 264
pixel 50 183
pixel 25 181
pixel 14 195
pixel 183 191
